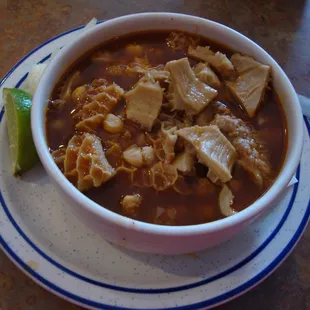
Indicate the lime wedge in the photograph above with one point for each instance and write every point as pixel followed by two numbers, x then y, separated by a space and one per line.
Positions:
pixel 17 105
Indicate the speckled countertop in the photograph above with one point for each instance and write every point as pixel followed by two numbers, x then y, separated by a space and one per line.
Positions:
pixel 282 27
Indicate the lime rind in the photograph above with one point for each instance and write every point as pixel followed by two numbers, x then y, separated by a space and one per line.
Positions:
pixel 18 109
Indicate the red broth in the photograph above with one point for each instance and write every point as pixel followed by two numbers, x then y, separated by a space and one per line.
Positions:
pixel 201 204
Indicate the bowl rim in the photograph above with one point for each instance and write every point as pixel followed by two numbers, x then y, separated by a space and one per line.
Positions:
pixel 82 201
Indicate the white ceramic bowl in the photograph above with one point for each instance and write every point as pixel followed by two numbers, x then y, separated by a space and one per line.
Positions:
pixel 148 237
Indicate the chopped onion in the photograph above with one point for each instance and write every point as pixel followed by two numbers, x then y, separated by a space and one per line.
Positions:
pixel 33 78
pixel 159 212
pixel 226 199
pixel 91 24
pixel 212 177
pixel 31 83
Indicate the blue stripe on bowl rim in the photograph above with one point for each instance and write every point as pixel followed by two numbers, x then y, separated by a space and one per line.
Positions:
pixel 213 301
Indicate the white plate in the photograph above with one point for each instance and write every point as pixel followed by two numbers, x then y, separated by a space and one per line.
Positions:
pixel 67 258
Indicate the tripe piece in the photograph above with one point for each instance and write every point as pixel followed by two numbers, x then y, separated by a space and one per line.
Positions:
pixel 252 152
pixel 206 75
pixel 186 92
pixel 213 149
pixel 85 164
pixel 184 162
pixel 218 61
pixel 144 101
pixel 249 88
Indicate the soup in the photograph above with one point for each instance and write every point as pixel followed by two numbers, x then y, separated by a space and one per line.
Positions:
pixel 167 128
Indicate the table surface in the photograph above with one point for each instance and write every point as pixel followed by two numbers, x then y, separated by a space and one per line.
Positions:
pixel 282 27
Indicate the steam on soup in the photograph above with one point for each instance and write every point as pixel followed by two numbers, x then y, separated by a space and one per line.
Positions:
pixel 167 128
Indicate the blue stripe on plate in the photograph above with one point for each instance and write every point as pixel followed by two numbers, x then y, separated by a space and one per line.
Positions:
pixel 139 290
pixel 1 114
pixel 150 290
pixel 21 80
pixel 213 301
pixel 155 290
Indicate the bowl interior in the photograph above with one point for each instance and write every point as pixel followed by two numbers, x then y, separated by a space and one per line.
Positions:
pixel 168 21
